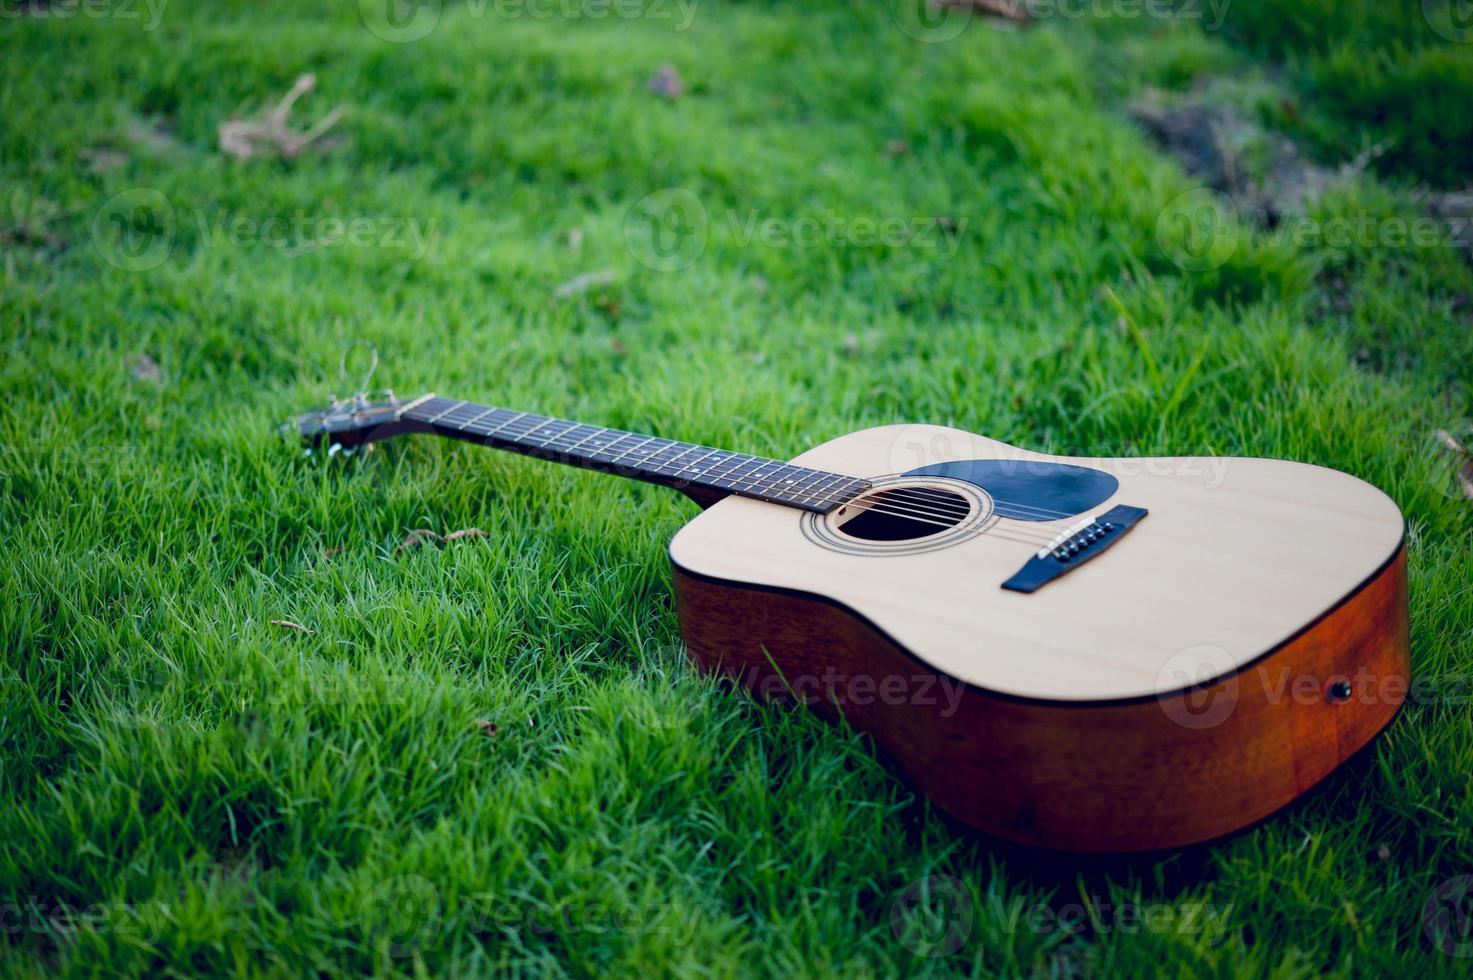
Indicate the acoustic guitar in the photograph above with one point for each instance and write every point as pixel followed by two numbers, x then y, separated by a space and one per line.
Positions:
pixel 1082 654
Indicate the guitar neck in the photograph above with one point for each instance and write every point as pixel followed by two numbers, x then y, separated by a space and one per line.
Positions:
pixel 701 471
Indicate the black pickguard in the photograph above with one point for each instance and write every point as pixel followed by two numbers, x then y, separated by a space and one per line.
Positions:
pixel 1031 490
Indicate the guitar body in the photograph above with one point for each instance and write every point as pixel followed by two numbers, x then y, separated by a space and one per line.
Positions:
pixel 1238 632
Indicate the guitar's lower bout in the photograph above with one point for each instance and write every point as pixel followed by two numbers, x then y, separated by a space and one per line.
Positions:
pixel 1107 776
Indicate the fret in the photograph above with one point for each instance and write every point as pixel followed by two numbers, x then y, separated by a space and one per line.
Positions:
pixel 529 423
pixel 788 476
pixel 486 423
pixel 695 465
pixel 727 469
pixel 542 422
pixel 520 433
pixel 687 459
pixel 810 481
pixel 625 453
pixel 842 492
pixel 641 446
pixel 648 450
pixel 566 427
pixel 745 470
pixel 455 417
pixel 675 463
pixel 762 476
pixel 821 489
pixel 498 420
pixel 467 424
pixel 596 431
pixel 745 485
pixel 447 411
pixel 607 453
pixel 727 460
pixel 496 432
pixel 676 450
pixel 601 441
pixel 820 482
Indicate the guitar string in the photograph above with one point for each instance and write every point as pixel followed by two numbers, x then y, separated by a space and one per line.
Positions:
pixel 1003 531
pixel 924 491
pixel 1037 536
pixel 535 424
pixel 521 426
pixel 947 511
pixel 993 529
pixel 916 511
pixel 952 511
pixel 950 519
pixel 938 506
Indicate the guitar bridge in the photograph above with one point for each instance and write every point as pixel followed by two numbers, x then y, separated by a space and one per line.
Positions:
pixel 1073 547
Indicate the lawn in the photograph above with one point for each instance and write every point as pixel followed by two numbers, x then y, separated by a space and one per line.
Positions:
pixel 489 754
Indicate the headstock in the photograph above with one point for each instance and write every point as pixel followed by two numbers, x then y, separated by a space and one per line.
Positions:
pixel 352 422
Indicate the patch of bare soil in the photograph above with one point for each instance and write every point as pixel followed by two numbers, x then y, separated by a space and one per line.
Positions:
pixel 1263 172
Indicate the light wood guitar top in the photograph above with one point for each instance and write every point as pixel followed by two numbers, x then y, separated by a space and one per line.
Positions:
pixel 1236 556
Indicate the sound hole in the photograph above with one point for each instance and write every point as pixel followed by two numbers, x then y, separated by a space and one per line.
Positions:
pixel 904 513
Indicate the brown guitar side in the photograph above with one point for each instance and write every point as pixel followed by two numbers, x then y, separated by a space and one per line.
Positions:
pixel 1110 776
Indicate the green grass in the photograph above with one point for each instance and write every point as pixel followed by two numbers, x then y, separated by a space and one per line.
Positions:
pixel 219 794
pixel 1397 74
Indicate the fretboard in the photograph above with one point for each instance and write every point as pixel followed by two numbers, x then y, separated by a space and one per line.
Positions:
pixel 679 464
